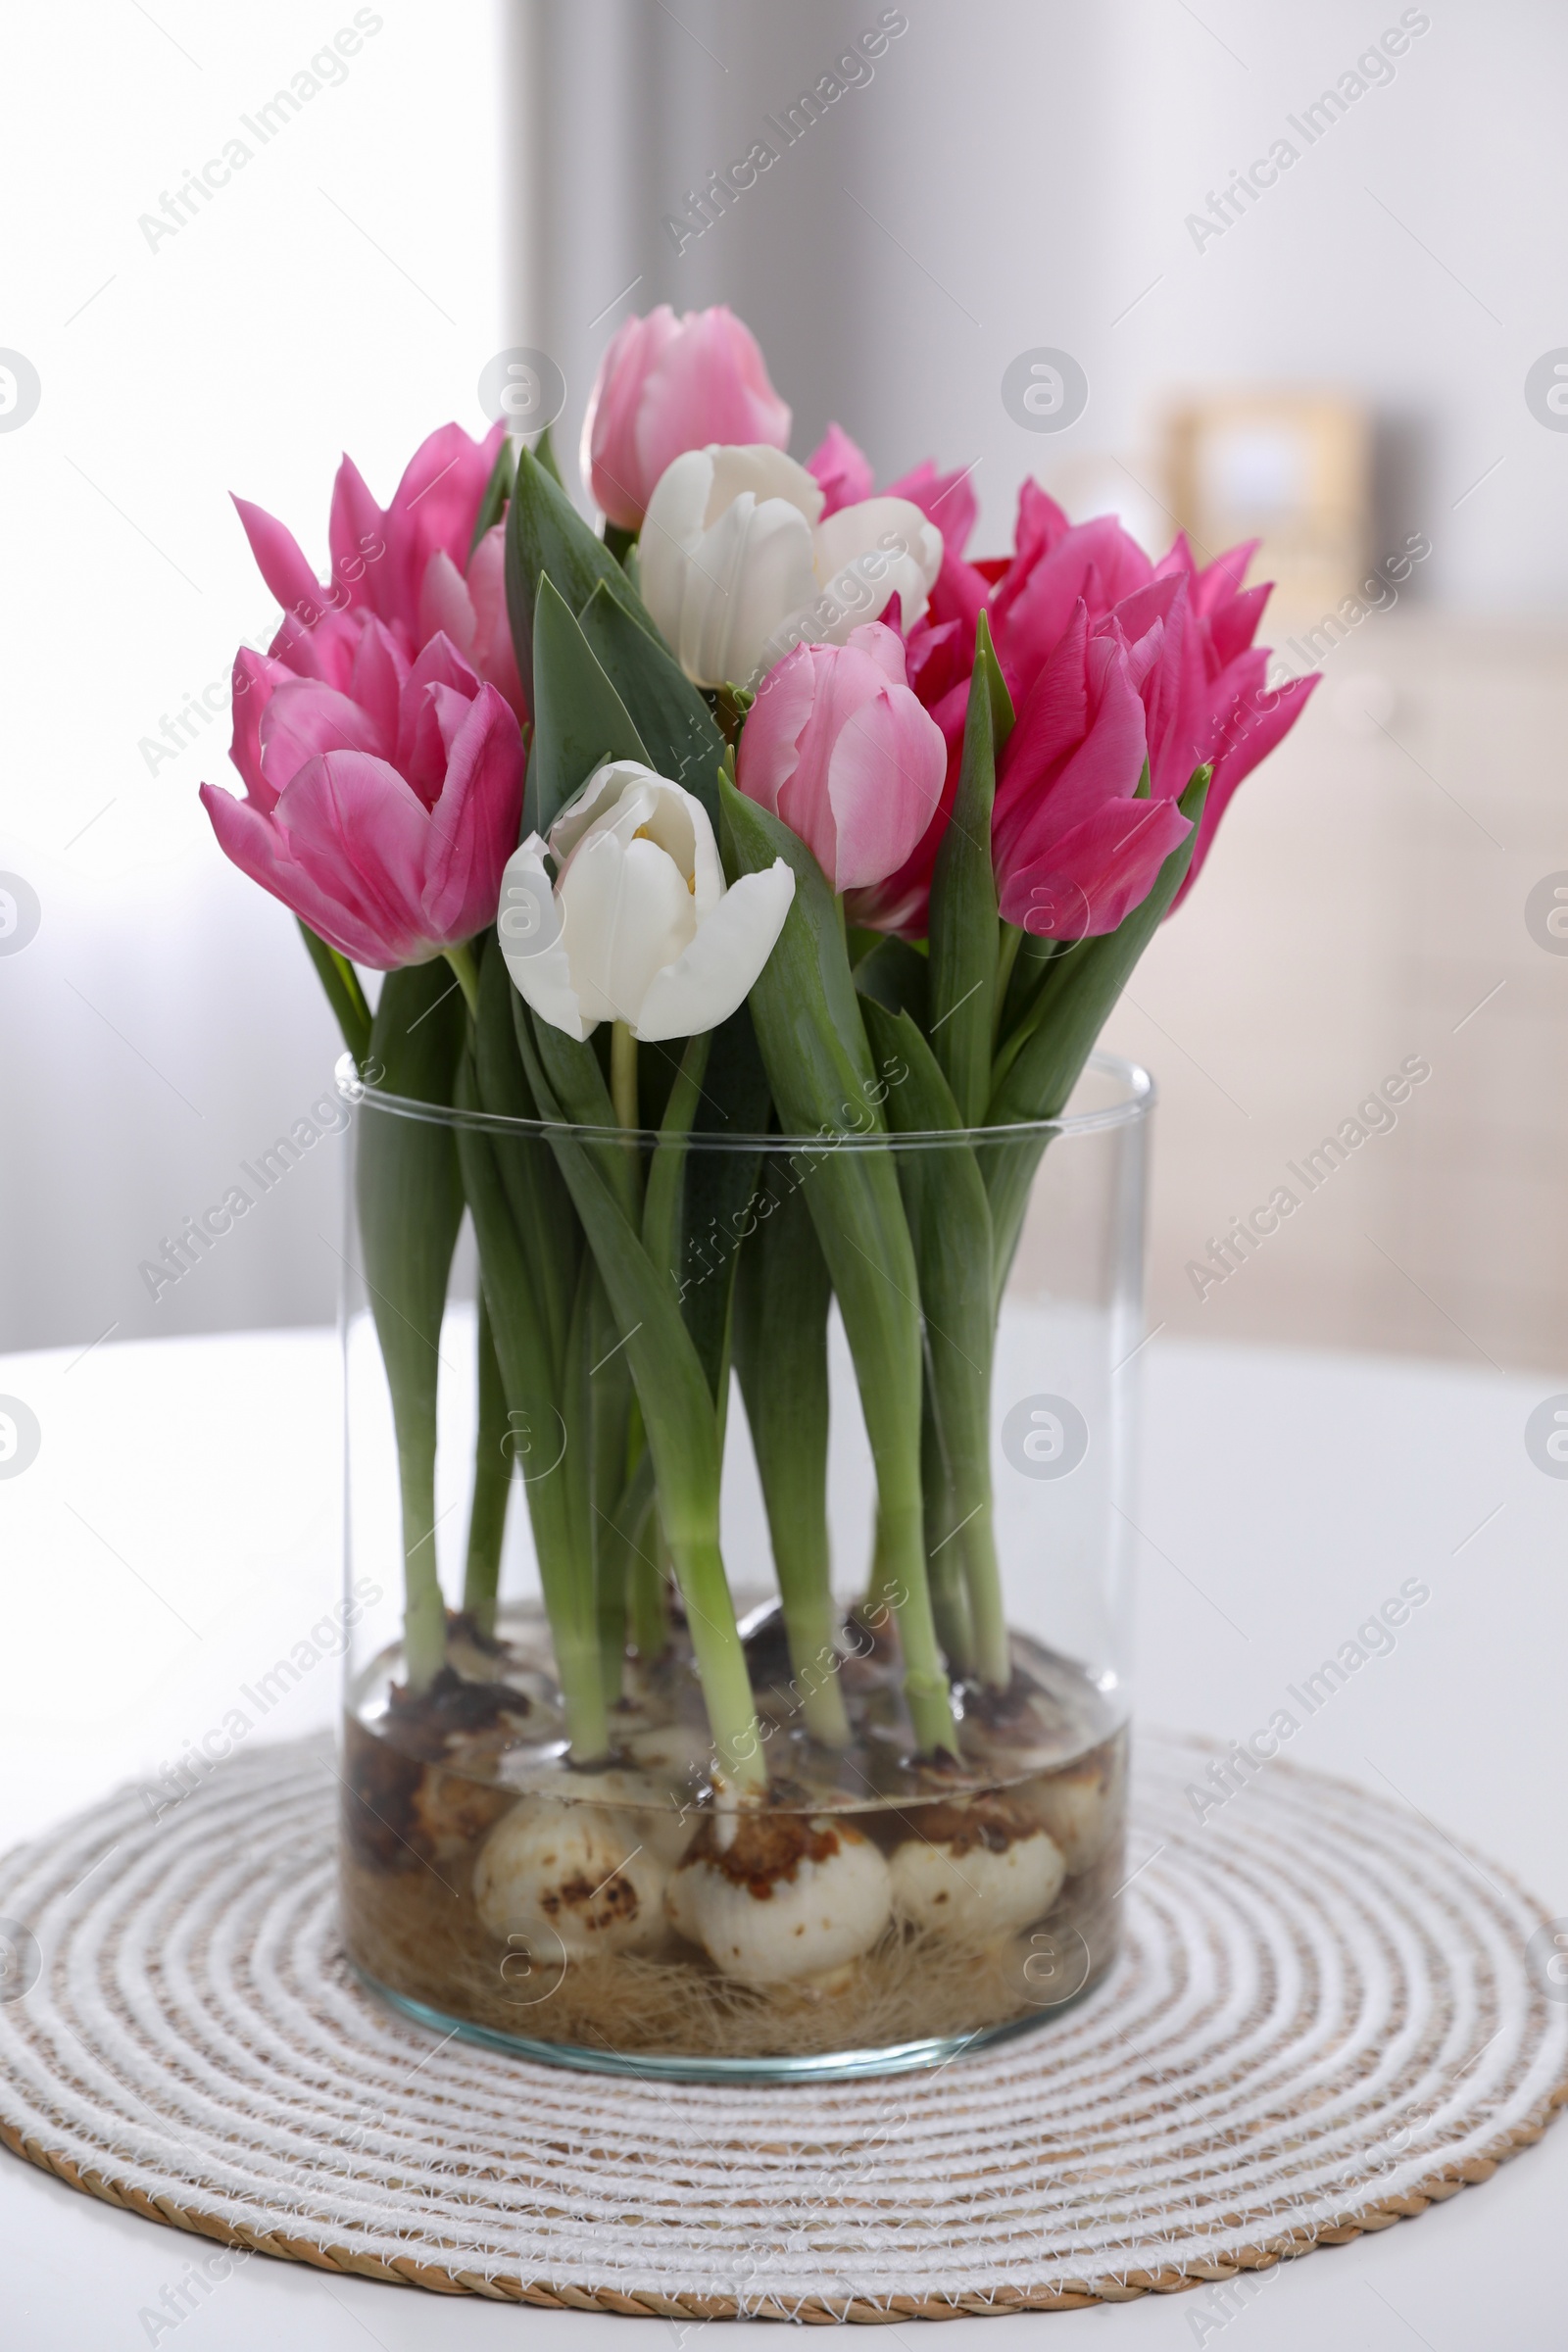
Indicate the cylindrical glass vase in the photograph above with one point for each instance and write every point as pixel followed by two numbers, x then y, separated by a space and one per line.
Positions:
pixel 546 1843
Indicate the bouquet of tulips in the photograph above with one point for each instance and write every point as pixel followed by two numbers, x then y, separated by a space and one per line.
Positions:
pixel 757 811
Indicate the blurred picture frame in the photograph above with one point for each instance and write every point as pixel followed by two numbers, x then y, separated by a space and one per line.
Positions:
pixel 1293 470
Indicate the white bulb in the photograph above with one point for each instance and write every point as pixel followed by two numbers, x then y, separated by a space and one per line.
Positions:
pixel 581 1872
pixel 1081 1810
pixel 971 1890
pixel 797 1913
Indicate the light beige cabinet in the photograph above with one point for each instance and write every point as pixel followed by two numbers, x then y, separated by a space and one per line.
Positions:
pixel 1366 906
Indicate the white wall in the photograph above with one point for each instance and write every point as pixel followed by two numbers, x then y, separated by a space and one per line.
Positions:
pixel 342 290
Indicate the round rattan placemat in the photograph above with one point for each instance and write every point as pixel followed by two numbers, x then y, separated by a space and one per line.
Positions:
pixel 1322 2021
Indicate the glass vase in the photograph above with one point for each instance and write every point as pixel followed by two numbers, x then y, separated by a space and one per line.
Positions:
pixel 553 1836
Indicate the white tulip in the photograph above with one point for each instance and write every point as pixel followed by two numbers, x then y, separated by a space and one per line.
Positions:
pixel 579 1871
pixel 737 567
pixel 973 1892
pixel 639 926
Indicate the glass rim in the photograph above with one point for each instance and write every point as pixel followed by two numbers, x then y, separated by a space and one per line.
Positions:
pixel 1135 1101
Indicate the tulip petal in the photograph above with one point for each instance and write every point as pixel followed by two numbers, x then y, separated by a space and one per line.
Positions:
pixel 255 680
pixel 847 539
pixel 1088 880
pixel 843 469
pixel 715 973
pixel 533 943
pixel 884 785
pixel 356 532
pixel 305 717
pixel 354 827
pixel 446 606
pixel 473 823
pixel 753 569
pixel 945 499
pixel 493 655
pixel 380 673
pixel 627 913
pixel 710 381
pixel 281 564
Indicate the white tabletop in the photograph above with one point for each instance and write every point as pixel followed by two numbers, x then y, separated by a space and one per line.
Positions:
pixel 182 1517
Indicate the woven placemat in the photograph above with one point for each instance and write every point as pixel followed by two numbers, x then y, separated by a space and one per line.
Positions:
pixel 1323 2020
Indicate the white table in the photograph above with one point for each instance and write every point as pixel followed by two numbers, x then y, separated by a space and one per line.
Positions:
pixel 182 1518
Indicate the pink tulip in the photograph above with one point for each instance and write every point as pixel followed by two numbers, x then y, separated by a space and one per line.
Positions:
pixel 667 385
pixel 1075 848
pixel 1187 634
pixel 381 809
pixel 408 564
pixel 843 471
pixel 838 745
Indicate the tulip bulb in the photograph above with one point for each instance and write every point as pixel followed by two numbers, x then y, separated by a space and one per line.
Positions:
pixel 1081 1811
pixel 580 1872
pixel 979 1881
pixel 775 1899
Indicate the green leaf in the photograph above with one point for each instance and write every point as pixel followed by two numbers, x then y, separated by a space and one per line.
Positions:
pixel 813 1012
pixel 963 898
pixel 534 1377
pixel 820 1067
pixel 579 719
pixel 492 1481
pixel 950 1225
pixel 497 491
pixel 547 536
pixel 896 974
pixel 541 1207
pixel 574 1080
pixel 664 707
pixel 667 1176
pixel 343 992
pixel 544 450
pixel 410 1198
pixel 678 1417
pixel 782 1295
pixel 722 1185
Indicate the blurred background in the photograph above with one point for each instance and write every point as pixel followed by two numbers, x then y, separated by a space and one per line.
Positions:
pixel 1292 277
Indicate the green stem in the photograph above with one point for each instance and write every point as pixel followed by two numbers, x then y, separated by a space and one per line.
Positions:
pixel 492 1486
pixel 678 1416
pixel 424 1616
pixel 461 958
pixel 650 1610
pixel 782 1296
pixel 950 1600
pixel 609 1411
pixel 624 1074
pixel 899 1574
